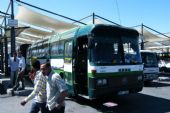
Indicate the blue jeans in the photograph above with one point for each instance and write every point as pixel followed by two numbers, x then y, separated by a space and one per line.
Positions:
pixel 36 107
pixel 14 77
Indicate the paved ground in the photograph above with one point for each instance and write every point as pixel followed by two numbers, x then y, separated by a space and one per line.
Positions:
pixel 154 98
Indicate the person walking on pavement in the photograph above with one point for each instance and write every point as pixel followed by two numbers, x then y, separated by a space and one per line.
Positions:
pixel 39 92
pixel 21 72
pixel 14 65
pixel 56 90
pixel 32 71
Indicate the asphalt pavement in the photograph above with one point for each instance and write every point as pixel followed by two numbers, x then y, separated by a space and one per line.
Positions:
pixel 154 98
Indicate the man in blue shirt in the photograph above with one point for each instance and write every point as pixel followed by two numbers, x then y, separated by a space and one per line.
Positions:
pixel 21 72
pixel 14 65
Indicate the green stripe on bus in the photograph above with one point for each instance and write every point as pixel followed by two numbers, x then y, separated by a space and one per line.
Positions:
pixel 114 74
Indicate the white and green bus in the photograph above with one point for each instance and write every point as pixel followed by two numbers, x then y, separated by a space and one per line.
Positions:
pixel 93 59
pixel 151 68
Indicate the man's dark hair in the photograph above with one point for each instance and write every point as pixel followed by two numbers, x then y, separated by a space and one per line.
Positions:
pixel 36 65
pixel 47 64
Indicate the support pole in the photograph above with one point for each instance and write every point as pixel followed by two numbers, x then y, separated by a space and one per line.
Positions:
pixel 93 18
pixel 142 43
pixel 2 55
pixel 6 52
pixel 12 29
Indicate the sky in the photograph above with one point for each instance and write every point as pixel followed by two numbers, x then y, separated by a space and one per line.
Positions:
pixel 152 13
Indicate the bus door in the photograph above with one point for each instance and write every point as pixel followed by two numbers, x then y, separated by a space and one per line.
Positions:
pixel 81 66
pixel 68 72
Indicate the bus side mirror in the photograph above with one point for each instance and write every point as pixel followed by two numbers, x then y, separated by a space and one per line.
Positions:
pixel 158 58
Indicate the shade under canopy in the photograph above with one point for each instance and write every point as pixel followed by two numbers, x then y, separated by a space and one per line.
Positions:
pixel 36 31
pixel 1 16
pixel 17 31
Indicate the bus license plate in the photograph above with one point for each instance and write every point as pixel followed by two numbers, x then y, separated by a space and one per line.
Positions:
pixel 123 92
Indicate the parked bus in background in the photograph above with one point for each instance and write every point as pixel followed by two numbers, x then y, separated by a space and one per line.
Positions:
pixel 150 61
pixel 164 63
pixel 92 59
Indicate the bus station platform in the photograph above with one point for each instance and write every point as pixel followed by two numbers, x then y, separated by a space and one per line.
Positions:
pixel 5 87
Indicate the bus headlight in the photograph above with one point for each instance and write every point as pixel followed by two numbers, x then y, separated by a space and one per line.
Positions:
pixel 101 82
pixel 140 78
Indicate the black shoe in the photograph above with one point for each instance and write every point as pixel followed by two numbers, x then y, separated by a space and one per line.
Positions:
pixel 21 89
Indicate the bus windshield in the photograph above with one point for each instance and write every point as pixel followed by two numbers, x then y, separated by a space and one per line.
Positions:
pixel 109 50
pixel 149 59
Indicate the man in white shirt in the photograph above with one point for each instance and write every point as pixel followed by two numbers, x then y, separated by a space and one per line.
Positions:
pixel 39 92
pixel 56 90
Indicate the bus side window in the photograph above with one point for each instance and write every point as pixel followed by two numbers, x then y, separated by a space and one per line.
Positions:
pixel 115 58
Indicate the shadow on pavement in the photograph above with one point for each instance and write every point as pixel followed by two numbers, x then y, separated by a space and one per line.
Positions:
pixel 157 84
pixel 28 89
pixel 134 103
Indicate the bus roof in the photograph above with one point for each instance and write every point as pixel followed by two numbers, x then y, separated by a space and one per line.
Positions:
pixel 147 51
pixel 88 29
pixel 92 28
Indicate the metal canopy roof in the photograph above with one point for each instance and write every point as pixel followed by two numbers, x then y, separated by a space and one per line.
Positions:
pixel 17 31
pixel 29 16
pixel 38 32
pixel 150 37
pixel 1 17
pixel 40 26
pixel 153 41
